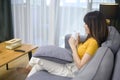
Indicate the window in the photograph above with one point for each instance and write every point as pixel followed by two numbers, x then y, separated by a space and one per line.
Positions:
pixel 41 22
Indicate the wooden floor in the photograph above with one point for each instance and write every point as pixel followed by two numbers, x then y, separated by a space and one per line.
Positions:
pixel 12 74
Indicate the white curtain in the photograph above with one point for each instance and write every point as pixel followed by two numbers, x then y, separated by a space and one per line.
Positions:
pixel 46 22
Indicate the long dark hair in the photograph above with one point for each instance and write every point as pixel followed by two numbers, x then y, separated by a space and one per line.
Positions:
pixel 97 25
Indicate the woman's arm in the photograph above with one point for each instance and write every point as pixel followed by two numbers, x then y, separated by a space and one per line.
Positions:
pixel 79 62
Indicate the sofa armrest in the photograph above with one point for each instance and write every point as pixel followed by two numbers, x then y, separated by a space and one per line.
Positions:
pixel 99 68
pixel 67 46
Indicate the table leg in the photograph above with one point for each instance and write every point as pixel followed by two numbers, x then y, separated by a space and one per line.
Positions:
pixel 6 66
pixel 30 54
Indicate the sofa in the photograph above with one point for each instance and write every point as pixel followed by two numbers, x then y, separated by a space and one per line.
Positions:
pixel 105 65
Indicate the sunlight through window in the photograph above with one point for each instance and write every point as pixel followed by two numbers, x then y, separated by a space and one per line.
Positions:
pixel 83 0
pixel 71 1
pixel 48 2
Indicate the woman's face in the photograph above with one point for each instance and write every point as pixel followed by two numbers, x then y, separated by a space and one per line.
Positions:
pixel 86 29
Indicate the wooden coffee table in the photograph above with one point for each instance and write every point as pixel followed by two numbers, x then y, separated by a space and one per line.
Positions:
pixel 6 55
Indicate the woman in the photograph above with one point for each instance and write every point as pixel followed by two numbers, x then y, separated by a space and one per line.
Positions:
pixel 97 31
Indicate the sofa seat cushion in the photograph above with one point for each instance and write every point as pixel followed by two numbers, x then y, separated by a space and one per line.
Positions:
pixel 54 53
pixel 43 75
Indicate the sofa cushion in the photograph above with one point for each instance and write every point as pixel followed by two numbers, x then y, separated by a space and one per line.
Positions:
pixel 113 40
pixel 53 52
pixel 43 75
pixel 116 73
pixel 99 68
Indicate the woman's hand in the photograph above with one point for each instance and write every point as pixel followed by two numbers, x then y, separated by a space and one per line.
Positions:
pixel 78 39
pixel 72 42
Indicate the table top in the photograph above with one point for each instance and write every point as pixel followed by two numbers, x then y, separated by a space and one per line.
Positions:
pixel 7 55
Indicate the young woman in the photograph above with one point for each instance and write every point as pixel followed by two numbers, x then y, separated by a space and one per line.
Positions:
pixel 97 31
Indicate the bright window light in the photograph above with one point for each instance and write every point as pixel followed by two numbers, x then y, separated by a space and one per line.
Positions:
pixel 70 1
pixel 48 2
pixel 24 1
pixel 83 0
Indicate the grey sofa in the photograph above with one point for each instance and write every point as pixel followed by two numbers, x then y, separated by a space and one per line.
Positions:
pixel 105 65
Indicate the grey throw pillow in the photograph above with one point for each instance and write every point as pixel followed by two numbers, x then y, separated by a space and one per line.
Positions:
pixel 53 52
pixel 113 41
